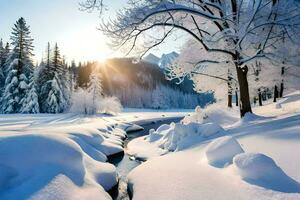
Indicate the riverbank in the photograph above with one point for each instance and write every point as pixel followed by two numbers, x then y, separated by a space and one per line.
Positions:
pixel 62 156
pixel 258 158
pixel 125 162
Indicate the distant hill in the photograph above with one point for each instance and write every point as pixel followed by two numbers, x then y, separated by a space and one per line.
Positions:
pixel 137 84
pixel 152 59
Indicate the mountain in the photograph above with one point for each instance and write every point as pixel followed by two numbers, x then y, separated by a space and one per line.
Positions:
pixel 151 58
pixel 163 61
pixel 167 59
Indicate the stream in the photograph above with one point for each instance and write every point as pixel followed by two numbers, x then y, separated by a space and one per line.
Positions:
pixel 124 163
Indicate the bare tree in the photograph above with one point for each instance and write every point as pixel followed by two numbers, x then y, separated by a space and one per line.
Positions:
pixel 247 30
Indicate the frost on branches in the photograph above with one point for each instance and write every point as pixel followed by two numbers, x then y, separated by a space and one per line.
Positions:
pixel 91 100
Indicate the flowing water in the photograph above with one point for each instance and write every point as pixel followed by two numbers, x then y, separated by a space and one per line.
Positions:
pixel 124 163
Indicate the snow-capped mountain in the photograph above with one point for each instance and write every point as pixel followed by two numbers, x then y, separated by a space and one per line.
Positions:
pixel 167 59
pixel 164 61
pixel 151 58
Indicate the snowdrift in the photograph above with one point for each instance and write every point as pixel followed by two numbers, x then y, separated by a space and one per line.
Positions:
pixel 261 170
pixel 173 137
pixel 216 113
pixel 28 163
pixel 176 137
pixel 228 172
pixel 57 157
pixel 221 151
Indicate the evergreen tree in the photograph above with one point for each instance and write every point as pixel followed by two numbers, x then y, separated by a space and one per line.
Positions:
pixel 4 60
pixel 56 101
pixel 95 89
pixel 30 102
pixel 19 69
pixel 2 77
pixel 44 78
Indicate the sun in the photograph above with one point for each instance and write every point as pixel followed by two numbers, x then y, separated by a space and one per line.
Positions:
pixel 88 44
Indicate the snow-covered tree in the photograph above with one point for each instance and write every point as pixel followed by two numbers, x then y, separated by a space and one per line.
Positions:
pixel 249 29
pixel 159 99
pixel 206 76
pixel 56 101
pixel 30 103
pixel 44 76
pixel 19 70
pixel 95 90
pixel 81 101
pixel 2 60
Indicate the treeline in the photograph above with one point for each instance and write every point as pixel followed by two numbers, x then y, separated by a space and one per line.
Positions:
pixel 141 85
pixel 26 88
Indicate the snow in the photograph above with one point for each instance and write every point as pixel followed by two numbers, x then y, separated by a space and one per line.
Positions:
pixel 221 151
pixel 167 59
pixel 268 170
pixel 262 170
pixel 63 156
pixel 173 137
pixel 32 160
pixel 164 61
pixel 216 113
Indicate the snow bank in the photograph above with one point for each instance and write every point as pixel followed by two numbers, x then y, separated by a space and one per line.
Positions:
pixel 62 156
pixel 130 127
pixel 181 136
pixel 173 137
pixel 31 161
pixel 159 133
pixel 261 170
pixel 221 151
pixel 249 118
pixel 217 113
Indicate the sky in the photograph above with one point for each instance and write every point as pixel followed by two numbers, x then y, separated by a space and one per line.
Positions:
pixel 61 21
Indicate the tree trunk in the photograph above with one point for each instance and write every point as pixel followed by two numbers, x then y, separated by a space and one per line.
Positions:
pixel 229 100
pixel 281 89
pixel 282 84
pixel 275 93
pixel 245 105
pixel 259 98
pixel 236 98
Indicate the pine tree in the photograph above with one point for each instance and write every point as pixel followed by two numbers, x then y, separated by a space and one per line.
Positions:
pixel 30 102
pixel 44 78
pixel 56 101
pixel 5 61
pixel 2 77
pixel 95 89
pixel 20 67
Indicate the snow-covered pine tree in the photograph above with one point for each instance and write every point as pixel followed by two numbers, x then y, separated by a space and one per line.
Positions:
pixel 56 101
pixel 66 83
pixel 2 77
pixel 5 61
pixel 19 68
pixel 30 102
pixel 95 90
pixel 44 77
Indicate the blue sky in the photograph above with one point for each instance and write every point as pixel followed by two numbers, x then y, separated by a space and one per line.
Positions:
pixel 61 21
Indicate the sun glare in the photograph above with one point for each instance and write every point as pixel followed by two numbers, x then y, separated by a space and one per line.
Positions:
pixel 86 45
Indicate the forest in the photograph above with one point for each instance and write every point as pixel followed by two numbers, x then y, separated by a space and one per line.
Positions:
pixel 51 85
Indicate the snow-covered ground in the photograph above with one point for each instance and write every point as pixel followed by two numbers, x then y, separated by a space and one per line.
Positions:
pixel 258 158
pixel 63 156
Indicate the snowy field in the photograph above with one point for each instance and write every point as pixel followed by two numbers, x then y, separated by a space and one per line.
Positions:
pixel 63 156
pixel 221 156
